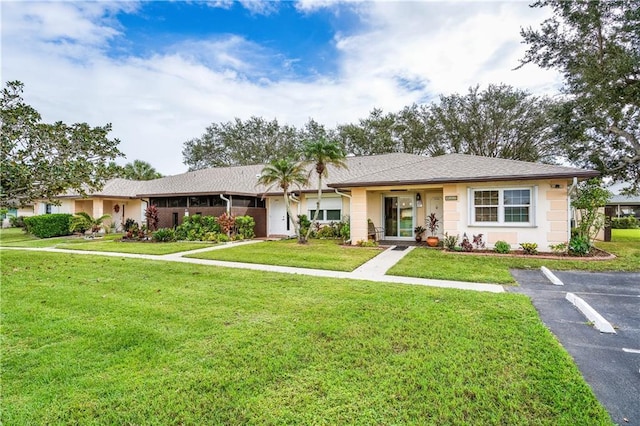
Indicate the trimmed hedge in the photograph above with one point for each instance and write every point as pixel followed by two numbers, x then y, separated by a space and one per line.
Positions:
pixel 48 225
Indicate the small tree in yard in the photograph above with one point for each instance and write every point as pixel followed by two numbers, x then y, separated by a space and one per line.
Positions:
pixel 322 154
pixel 588 201
pixel 285 173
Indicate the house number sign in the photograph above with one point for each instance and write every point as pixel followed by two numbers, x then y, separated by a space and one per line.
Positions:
pixel 451 198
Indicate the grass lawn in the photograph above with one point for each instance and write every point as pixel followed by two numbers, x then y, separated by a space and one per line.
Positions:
pixel 625 235
pixel 317 254
pixel 437 264
pixel 15 237
pixel 92 340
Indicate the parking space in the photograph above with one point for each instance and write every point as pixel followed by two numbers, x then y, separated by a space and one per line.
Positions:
pixel 610 363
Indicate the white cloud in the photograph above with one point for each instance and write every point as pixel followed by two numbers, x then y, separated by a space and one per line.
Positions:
pixel 404 52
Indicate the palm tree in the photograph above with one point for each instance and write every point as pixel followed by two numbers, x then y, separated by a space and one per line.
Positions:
pixel 82 222
pixel 321 154
pixel 140 170
pixel 285 173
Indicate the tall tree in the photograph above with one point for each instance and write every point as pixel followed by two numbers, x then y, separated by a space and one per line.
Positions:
pixel 239 142
pixel 372 135
pixel 140 170
pixel 321 154
pixel 412 132
pixel 596 45
pixel 285 174
pixel 41 161
pixel 500 121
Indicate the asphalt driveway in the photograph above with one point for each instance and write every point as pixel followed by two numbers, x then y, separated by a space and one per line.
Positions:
pixel 610 363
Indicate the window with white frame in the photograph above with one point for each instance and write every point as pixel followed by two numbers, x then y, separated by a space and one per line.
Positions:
pixel 502 206
pixel 330 209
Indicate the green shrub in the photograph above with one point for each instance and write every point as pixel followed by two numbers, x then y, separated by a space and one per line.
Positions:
pixel 579 245
pixel 529 248
pixel 367 243
pixel 130 225
pixel 223 238
pixel 344 229
pixel 502 247
pixel 559 248
pixel 48 225
pixel 450 241
pixel 164 235
pixel 327 231
pixel 16 221
pixel 245 226
pixel 196 227
pixel 628 222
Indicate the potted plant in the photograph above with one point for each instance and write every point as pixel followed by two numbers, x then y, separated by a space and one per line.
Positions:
pixel 419 230
pixel 432 225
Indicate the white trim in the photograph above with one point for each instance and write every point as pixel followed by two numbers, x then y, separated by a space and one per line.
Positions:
pixel 533 196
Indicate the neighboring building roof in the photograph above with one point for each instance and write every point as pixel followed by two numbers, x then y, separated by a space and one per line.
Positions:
pixel 225 180
pixel 453 168
pixel 628 200
pixel 115 188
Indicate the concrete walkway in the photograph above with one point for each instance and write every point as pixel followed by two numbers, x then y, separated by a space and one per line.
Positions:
pixel 373 270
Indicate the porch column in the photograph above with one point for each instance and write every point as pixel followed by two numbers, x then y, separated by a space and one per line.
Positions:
pixel 97 207
pixel 358 215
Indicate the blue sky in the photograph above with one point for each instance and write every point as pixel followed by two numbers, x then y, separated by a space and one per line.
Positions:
pixel 162 71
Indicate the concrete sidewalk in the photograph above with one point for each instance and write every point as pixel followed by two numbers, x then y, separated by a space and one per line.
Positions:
pixel 373 270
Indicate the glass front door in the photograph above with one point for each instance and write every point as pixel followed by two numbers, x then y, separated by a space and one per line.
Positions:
pixel 398 216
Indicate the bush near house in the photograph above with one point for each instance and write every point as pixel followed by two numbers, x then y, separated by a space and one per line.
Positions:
pixel 629 222
pixel 48 225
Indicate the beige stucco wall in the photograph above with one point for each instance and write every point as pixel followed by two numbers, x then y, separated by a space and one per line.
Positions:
pixel 551 214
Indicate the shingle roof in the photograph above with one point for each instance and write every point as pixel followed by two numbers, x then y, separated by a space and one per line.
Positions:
pixel 625 199
pixel 116 188
pixel 453 168
pixel 235 180
pixel 385 169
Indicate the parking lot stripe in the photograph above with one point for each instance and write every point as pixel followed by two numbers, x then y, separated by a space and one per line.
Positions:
pixel 631 351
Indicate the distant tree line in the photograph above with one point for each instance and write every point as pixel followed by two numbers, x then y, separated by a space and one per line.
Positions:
pixel 500 121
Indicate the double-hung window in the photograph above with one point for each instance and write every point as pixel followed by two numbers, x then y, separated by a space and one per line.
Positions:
pixel 502 206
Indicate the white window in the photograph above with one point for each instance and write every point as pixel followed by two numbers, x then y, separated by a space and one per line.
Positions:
pixel 330 209
pixel 502 206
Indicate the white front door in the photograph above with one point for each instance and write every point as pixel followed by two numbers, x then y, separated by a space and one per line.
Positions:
pixel 278 223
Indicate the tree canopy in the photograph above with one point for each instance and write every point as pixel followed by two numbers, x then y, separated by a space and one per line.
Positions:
pixel 41 161
pixel 500 121
pixel 322 153
pixel 140 170
pixel 238 142
pixel 596 45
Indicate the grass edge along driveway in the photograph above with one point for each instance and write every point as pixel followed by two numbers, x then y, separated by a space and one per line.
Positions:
pixel 97 340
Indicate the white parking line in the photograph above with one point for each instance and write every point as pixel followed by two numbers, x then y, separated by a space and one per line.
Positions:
pixel 631 351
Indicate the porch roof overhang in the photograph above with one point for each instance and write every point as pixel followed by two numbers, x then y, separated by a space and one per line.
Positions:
pixel 580 174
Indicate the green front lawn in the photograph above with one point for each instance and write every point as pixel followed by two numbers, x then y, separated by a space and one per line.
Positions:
pixel 437 264
pixel 316 254
pixel 97 340
pixel 625 235
pixel 14 237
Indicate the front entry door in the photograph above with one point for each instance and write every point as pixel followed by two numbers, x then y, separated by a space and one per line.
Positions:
pixel 278 223
pixel 399 216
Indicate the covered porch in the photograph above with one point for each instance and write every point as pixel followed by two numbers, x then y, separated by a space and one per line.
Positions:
pixel 393 213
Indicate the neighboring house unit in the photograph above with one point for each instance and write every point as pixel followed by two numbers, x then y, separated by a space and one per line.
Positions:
pixel 625 205
pixel 508 200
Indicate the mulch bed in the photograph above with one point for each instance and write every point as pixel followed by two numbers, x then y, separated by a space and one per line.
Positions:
pixel 594 254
